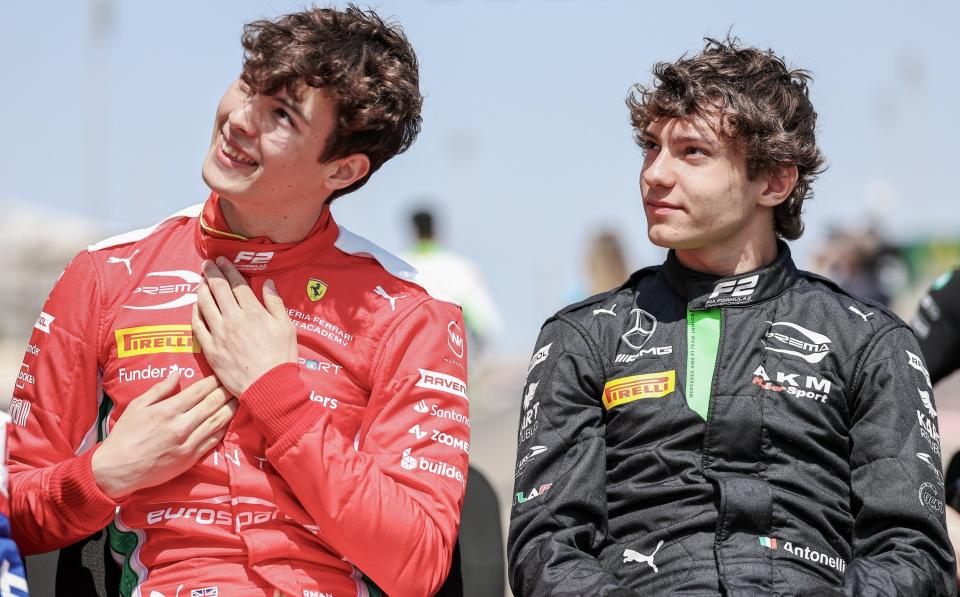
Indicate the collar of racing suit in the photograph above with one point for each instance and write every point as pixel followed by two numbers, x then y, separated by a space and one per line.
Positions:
pixel 706 291
pixel 260 255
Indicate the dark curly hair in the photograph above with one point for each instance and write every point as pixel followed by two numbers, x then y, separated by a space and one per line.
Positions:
pixel 366 66
pixel 764 107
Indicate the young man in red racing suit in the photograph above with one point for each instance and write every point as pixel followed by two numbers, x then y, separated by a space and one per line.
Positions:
pixel 310 438
pixel 725 424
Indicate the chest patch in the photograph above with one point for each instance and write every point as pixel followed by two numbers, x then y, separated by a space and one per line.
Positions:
pixel 636 387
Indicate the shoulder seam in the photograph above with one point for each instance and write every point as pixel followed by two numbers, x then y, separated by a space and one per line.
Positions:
pixel 139 234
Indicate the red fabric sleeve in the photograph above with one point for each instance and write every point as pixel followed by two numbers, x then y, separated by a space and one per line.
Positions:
pixel 54 500
pixel 401 489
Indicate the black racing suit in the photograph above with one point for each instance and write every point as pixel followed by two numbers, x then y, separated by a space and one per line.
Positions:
pixel 798 454
pixel 937 324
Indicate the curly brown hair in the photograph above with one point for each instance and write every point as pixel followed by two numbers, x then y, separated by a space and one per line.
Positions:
pixel 763 106
pixel 365 65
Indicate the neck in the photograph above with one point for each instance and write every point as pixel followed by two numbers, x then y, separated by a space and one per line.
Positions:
pixel 727 259
pixel 293 224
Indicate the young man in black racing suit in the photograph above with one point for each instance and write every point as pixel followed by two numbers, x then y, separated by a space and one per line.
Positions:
pixel 724 424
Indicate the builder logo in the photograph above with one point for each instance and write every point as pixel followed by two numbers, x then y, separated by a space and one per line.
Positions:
pixel 635 387
pixel 642 329
pixel 154 339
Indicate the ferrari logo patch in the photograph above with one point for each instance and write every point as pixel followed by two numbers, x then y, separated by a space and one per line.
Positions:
pixel 316 289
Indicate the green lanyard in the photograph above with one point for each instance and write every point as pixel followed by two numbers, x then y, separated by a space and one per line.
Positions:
pixel 703 339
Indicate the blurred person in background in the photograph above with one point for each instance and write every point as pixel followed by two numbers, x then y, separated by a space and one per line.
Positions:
pixel 605 263
pixel 725 424
pixel 856 260
pixel 244 394
pixel 459 276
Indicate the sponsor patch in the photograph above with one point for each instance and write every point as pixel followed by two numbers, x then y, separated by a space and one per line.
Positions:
pixel 539 357
pixel 917 363
pixel 43 322
pixel 795 340
pixel 155 339
pixel 455 339
pixel 442 382
pixel 930 497
pixel 316 289
pixel 636 387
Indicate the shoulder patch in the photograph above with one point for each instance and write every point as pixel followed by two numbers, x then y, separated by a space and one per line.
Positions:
pixel 354 244
pixel 134 235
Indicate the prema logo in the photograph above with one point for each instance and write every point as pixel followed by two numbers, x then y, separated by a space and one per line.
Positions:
pixel 155 339
pixel 806 344
pixel 441 469
pixel 635 387
pixel 442 382
pixel 455 339
pixel 186 288
pixel 43 322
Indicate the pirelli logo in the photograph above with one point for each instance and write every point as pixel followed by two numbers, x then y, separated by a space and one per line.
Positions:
pixel 627 389
pixel 153 339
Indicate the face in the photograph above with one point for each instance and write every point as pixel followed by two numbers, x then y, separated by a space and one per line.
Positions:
pixel 696 192
pixel 266 149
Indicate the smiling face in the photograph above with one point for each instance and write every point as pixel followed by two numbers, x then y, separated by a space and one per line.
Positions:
pixel 266 149
pixel 696 191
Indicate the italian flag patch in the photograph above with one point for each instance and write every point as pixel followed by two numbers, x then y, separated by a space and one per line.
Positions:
pixel 768 542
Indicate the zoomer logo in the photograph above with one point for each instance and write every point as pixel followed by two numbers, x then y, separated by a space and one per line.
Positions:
pixel 635 387
pixel 153 339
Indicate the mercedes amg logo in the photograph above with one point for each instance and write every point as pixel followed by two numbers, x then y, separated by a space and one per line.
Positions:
pixel 642 329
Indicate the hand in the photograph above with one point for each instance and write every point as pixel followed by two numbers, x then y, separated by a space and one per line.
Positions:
pixel 159 436
pixel 240 338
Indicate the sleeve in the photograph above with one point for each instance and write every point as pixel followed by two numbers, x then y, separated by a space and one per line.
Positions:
pixel 13 577
pixel 900 544
pixel 54 500
pixel 937 325
pixel 402 485
pixel 559 518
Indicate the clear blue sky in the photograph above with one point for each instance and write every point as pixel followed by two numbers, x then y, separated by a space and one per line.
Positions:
pixel 526 146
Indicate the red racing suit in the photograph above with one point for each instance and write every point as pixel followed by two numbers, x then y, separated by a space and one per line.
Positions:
pixel 338 475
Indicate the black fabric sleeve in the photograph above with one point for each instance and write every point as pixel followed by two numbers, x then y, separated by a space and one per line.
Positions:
pixel 937 324
pixel 559 518
pixel 900 543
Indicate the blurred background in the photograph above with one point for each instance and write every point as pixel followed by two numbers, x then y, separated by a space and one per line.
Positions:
pixel 526 161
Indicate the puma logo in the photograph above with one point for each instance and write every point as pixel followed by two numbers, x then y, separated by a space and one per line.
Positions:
pixel 379 291
pixel 609 311
pixel 860 313
pixel 124 260
pixel 630 555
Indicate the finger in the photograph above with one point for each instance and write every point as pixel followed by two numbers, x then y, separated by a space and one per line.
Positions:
pixel 208 307
pixel 200 332
pixel 273 302
pixel 209 443
pixel 159 391
pixel 205 408
pixel 216 423
pixel 193 394
pixel 219 288
pixel 241 289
